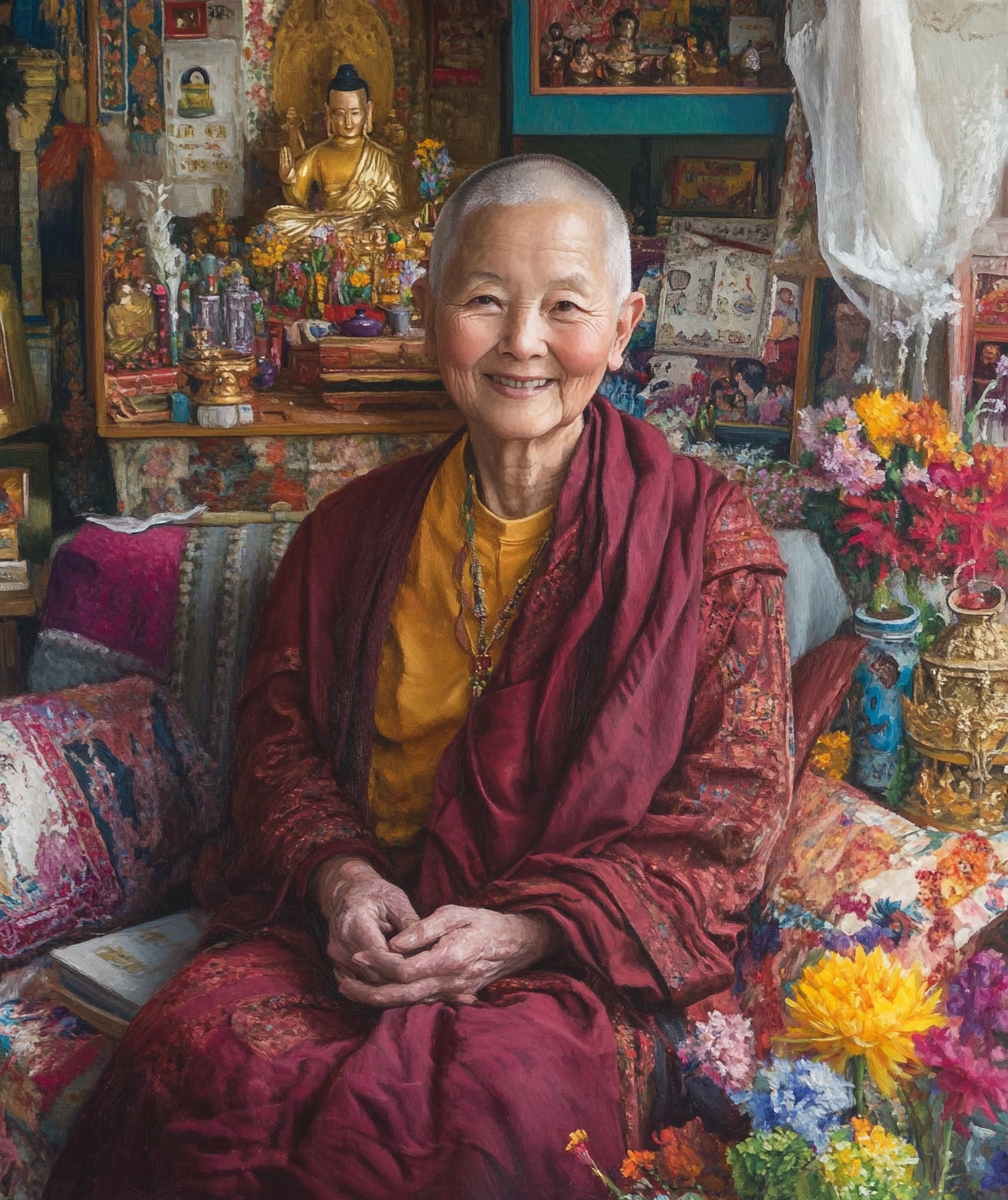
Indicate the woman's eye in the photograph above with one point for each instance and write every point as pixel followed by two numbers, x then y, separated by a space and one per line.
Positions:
pixel 565 306
pixel 483 301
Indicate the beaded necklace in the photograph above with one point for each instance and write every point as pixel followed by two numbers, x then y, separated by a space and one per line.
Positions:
pixel 482 663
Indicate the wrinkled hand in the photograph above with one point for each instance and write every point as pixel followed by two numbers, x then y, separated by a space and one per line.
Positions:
pixel 363 910
pixel 286 171
pixel 450 955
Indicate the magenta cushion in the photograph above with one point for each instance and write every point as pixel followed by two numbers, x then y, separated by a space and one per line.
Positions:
pixel 106 799
pixel 119 590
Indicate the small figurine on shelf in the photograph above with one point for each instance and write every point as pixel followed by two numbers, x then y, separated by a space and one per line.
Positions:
pixel 239 320
pixel 675 67
pixel 556 66
pixel 750 64
pixel 619 61
pixel 583 66
pixel 707 62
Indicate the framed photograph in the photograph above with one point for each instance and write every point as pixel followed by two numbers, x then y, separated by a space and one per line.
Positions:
pixel 34 529
pixel 841 344
pixel 185 18
pixel 713 299
pixel 784 336
pixel 714 185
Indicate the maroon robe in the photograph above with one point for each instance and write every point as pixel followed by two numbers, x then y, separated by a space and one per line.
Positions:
pixel 626 773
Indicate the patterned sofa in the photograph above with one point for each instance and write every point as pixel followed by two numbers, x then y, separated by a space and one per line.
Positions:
pixel 113 778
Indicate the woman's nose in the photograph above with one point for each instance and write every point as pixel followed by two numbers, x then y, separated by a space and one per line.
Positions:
pixel 524 333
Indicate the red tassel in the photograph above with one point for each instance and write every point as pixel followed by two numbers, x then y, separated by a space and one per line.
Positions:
pixel 59 161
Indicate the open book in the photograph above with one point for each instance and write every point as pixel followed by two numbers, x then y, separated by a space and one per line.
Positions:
pixel 108 979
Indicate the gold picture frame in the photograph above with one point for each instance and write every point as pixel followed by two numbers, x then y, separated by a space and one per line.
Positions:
pixel 19 406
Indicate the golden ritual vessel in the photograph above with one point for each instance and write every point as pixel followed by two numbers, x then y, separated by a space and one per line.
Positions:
pixel 958 718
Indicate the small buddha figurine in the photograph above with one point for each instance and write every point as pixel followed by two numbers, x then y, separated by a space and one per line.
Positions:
pixel 619 62
pixel 556 67
pixel 355 177
pixel 583 66
pixel 675 66
pixel 129 324
pixel 707 63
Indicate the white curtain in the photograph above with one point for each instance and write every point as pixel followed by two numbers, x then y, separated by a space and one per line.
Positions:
pixel 905 102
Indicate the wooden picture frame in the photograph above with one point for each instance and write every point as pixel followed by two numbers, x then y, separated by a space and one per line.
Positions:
pixel 711 185
pixel 185 18
pixel 19 404
pixel 35 530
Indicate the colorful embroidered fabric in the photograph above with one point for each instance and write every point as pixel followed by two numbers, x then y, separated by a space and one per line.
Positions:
pixel 105 801
pixel 49 1063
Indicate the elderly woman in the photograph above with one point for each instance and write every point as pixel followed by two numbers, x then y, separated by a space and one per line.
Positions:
pixel 513 753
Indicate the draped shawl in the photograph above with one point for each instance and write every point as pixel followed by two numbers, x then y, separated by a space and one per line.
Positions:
pixel 602 777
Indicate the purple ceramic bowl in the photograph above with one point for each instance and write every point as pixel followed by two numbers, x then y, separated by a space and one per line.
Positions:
pixel 361 325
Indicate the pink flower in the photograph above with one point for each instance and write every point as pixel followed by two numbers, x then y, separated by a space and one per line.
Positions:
pixel 724 1048
pixel 969 1083
pixel 914 474
pixel 1001 367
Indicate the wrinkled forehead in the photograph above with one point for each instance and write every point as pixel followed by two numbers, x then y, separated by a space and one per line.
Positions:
pixel 565 236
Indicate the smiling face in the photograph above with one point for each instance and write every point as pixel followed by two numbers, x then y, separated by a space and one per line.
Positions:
pixel 527 323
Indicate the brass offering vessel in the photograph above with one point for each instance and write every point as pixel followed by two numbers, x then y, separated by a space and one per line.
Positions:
pixel 958 718
pixel 223 374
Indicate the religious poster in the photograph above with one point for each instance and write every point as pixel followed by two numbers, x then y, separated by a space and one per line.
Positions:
pixel 717 184
pixel 112 56
pixel 713 299
pixel 460 42
pixel 991 299
pixel 204 147
pixel 146 91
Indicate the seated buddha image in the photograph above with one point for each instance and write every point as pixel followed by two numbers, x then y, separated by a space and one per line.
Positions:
pixel 129 323
pixel 352 175
pixel 194 98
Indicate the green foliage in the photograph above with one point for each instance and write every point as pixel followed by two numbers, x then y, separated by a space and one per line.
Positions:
pixel 769 1164
pixel 908 765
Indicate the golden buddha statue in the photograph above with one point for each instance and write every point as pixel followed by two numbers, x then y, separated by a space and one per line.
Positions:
pixel 354 175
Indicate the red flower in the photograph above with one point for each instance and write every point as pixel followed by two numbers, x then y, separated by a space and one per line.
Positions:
pixel 969 1083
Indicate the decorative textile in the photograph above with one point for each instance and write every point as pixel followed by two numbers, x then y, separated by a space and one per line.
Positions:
pixel 106 588
pixel 49 1062
pixel 909 121
pixel 424 678
pixel 172 602
pixel 652 807
pixel 105 802
pixel 850 872
pixel 819 683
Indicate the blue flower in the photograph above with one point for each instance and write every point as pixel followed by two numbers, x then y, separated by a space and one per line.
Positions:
pixel 996 1175
pixel 805 1096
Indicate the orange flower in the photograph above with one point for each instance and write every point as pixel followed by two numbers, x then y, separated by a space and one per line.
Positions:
pixel 929 433
pixel 993 462
pixel 691 1157
pixel 636 1164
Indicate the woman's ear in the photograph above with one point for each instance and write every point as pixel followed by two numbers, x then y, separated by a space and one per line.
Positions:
pixel 426 303
pixel 627 320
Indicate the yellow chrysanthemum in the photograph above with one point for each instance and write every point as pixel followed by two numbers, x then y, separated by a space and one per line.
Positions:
pixel 866 1005
pixel 576 1138
pixel 883 418
pixel 831 755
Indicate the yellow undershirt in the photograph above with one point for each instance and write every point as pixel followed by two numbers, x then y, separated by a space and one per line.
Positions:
pixel 423 689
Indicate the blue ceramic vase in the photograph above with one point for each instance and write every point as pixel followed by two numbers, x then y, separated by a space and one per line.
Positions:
pixel 885 675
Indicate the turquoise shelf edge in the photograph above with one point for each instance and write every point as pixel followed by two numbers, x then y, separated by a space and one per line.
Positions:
pixel 743 113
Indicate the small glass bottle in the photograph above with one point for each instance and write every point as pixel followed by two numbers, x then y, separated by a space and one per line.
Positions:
pixel 208 318
pixel 239 319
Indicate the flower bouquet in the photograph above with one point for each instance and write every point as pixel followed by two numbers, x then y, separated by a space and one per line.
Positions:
pixel 899 1093
pixel 898 491
pixel 434 167
pixel 265 250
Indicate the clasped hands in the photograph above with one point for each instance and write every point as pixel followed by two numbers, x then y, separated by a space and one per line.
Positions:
pixel 385 956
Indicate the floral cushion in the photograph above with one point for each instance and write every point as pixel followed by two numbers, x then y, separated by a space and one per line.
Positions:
pixel 849 872
pixel 49 1063
pixel 106 799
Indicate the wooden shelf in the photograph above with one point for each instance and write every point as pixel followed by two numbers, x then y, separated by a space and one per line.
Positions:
pixel 301 412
